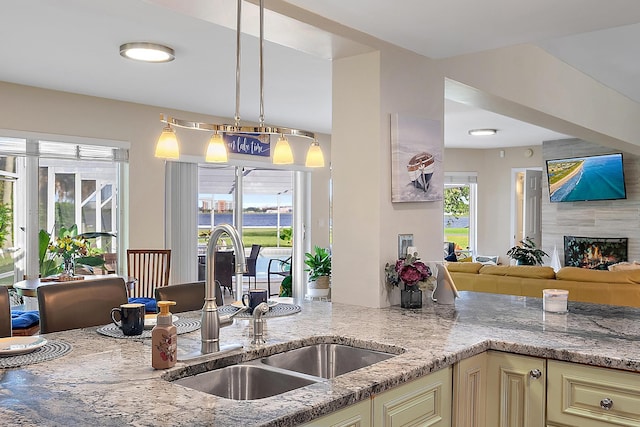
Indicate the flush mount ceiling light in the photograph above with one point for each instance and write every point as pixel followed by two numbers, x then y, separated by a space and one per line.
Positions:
pixel 483 132
pixel 217 149
pixel 147 52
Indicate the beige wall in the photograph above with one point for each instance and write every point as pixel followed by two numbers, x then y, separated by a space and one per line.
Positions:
pixel 495 190
pixel 29 109
pixel 523 82
pixel 367 89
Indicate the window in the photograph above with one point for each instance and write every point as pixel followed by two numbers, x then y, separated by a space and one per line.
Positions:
pixel 8 177
pixel 66 183
pixel 267 209
pixel 81 193
pixel 459 214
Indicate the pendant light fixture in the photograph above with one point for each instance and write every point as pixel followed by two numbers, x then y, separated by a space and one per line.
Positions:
pixel 167 146
pixel 217 148
pixel 315 158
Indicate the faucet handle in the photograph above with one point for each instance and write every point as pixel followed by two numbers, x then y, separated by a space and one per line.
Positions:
pixel 258 323
pixel 260 309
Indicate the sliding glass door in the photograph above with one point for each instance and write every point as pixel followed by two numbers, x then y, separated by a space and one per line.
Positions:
pixel 8 178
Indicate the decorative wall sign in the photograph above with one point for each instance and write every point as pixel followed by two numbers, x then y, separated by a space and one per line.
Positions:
pixel 248 143
pixel 416 159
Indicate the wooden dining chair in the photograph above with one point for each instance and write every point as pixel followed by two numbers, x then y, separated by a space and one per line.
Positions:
pixel 5 313
pixel 79 303
pixel 150 268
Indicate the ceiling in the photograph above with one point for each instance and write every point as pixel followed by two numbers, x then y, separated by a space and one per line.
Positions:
pixel 72 46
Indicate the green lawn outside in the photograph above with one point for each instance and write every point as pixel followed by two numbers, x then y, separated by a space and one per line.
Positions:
pixel 6 265
pixel 460 236
pixel 263 236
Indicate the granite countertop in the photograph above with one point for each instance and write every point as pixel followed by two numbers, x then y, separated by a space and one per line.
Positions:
pixel 107 381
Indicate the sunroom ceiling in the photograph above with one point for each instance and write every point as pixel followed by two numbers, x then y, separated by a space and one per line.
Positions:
pixel 221 180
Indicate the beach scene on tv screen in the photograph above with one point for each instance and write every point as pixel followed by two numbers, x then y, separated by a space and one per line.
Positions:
pixel 586 178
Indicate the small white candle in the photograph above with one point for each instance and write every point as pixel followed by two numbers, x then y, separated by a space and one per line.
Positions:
pixel 555 300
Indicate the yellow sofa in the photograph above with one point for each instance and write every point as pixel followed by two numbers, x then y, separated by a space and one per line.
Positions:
pixel 596 286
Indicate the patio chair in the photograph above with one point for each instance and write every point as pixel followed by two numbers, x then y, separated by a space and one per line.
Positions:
pixel 279 267
pixel 251 262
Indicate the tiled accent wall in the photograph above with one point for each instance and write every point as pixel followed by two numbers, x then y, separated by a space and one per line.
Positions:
pixel 607 218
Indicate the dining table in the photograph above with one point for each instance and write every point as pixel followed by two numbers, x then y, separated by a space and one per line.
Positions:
pixel 28 288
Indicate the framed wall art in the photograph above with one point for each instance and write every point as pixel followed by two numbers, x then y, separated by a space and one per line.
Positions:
pixel 416 159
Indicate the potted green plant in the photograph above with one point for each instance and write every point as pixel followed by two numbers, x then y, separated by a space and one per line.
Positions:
pixel 69 247
pixel 319 267
pixel 526 253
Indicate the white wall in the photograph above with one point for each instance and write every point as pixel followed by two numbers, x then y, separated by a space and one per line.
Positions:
pixel 527 83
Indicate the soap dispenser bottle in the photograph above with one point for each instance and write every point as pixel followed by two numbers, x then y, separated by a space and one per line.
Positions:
pixel 164 342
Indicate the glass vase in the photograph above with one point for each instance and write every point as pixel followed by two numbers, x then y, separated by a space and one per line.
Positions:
pixel 68 267
pixel 411 297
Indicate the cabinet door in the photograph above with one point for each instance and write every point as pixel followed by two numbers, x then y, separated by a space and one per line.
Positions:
pixel 515 390
pixel 588 396
pixel 356 415
pixel 470 391
pixel 423 402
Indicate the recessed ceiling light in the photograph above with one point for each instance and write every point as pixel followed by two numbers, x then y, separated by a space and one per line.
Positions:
pixel 483 132
pixel 147 52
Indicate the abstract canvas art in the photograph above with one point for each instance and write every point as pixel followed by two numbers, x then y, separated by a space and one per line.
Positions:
pixel 416 159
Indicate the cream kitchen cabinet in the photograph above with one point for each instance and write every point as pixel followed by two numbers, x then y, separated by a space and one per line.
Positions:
pixel 588 396
pixel 423 402
pixel 356 415
pixel 516 389
pixel 470 391
pixel 496 389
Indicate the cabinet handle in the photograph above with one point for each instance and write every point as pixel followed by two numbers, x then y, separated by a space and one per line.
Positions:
pixel 535 374
pixel 606 403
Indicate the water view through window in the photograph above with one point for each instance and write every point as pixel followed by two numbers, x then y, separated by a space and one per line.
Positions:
pixel 267 211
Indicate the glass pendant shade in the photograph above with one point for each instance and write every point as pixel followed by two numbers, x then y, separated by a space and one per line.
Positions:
pixel 216 150
pixel 167 146
pixel 315 158
pixel 282 154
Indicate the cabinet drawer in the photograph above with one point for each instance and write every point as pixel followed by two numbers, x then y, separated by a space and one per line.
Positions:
pixel 578 395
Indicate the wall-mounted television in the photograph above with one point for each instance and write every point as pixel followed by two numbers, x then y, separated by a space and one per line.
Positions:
pixel 586 178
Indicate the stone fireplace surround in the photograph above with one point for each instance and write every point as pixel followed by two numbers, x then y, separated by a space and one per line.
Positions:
pixel 610 219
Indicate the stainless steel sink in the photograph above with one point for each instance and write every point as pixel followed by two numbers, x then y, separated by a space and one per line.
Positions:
pixel 326 360
pixel 244 382
pixel 282 372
